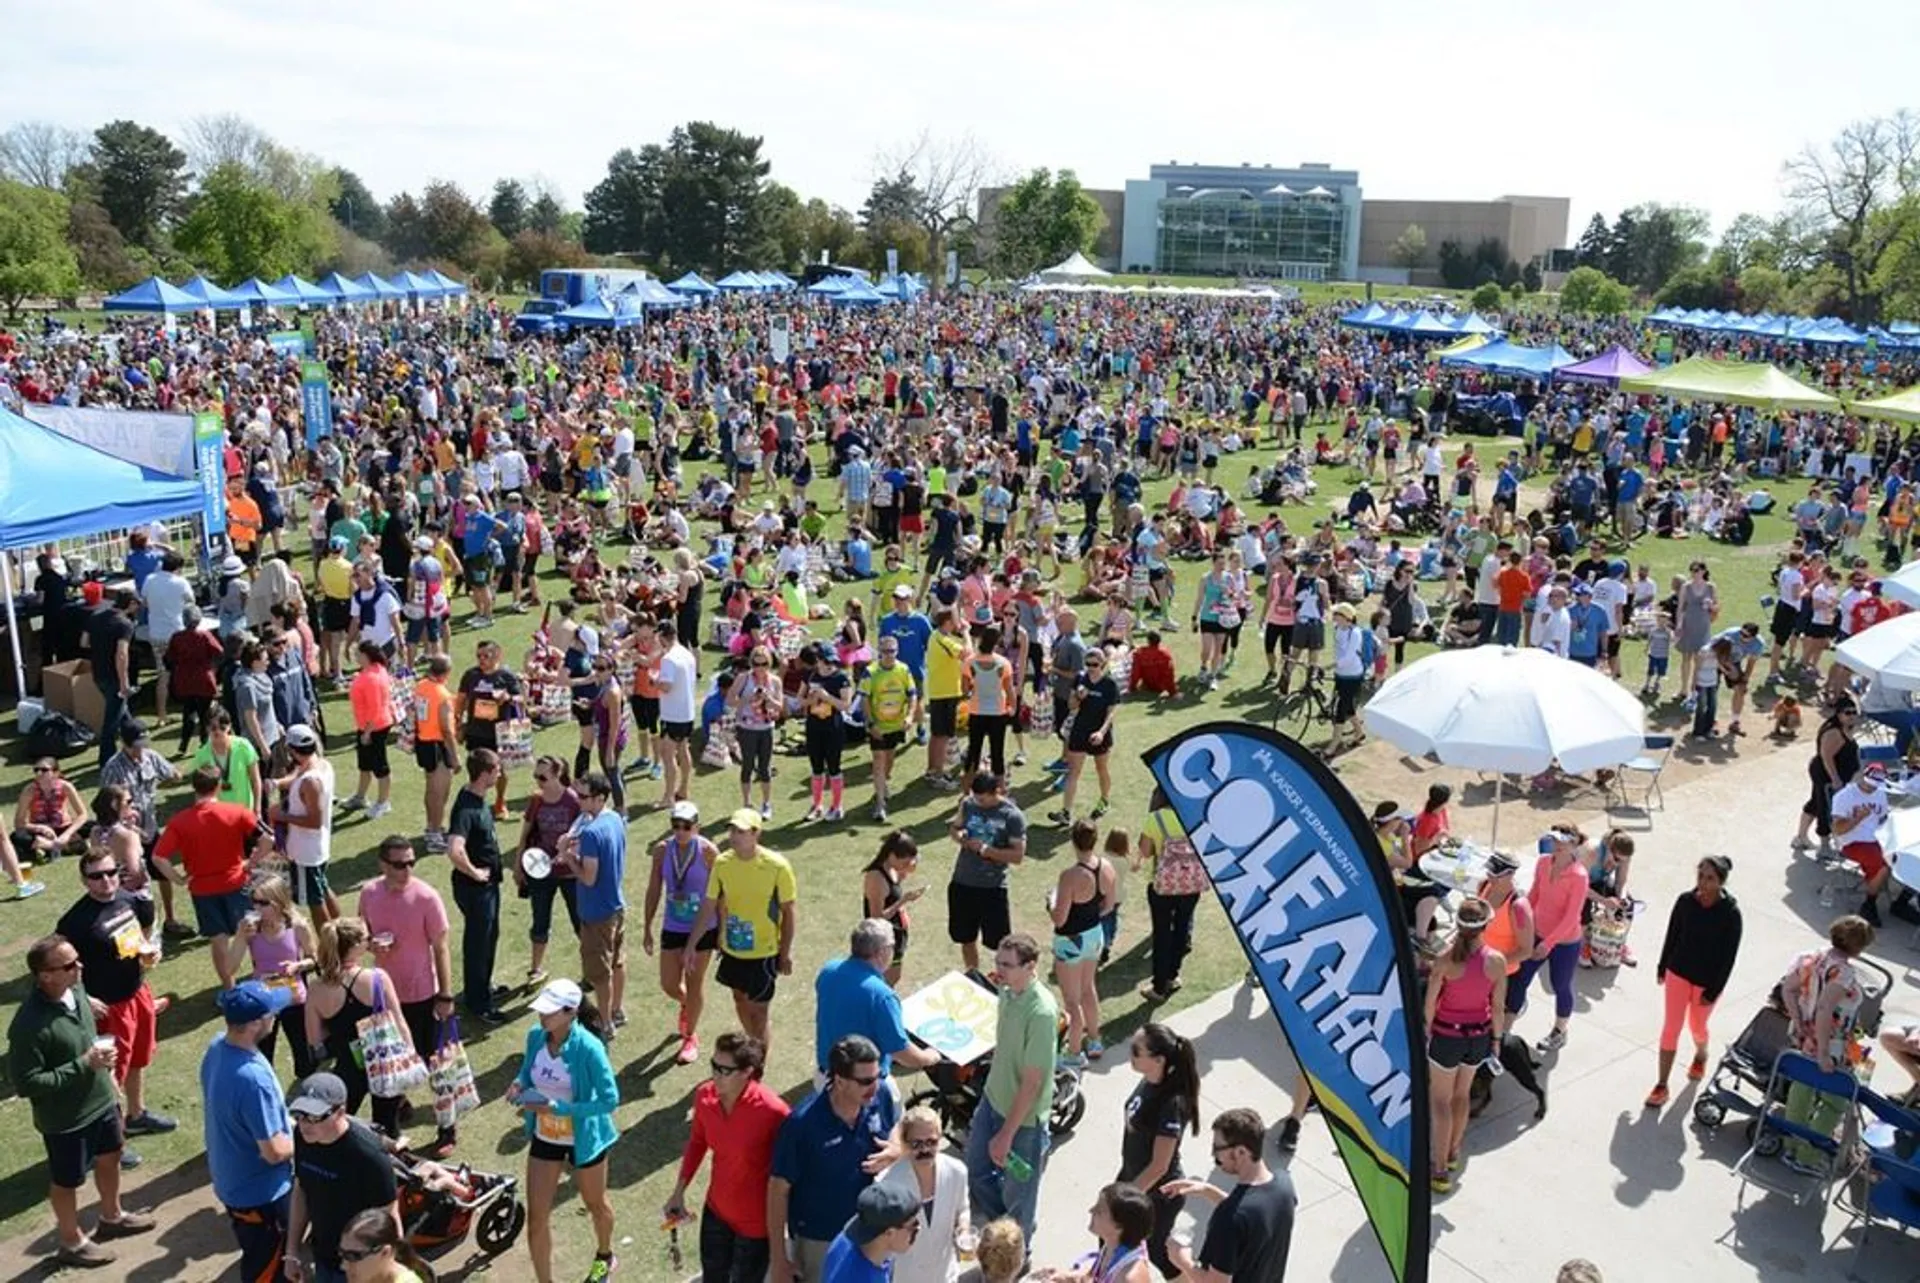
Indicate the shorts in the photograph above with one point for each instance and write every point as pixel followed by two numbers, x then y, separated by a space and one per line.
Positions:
pixel 1821 632
pixel 71 1155
pixel 680 732
pixel 583 712
pixel 752 978
pixel 219 915
pixel 509 563
pixel 1786 622
pixel 943 717
pixel 978 913
pixel 1656 665
pixel 646 714
pixel 912 523
pixel 545 1151
pixel 131 1023
pixel 479 571
pixel 1080 742
pixel 1613 645
pixel 1309 634
pixel 1454 1050
pixel 674 941
pixel 431 629
pixel 433 755
pixel 1869 856
pixel 310 884
pixel 1078 948
pixel 371 756
pixel 886 741
pixel 603 947
pixel 336 615
pixel 1212 628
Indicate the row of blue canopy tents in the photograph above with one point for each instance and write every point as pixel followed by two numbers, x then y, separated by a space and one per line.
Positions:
pixel 626 308
pixel 1417 322
pixel 200 294
pixel 1794 329
pixel 1502 357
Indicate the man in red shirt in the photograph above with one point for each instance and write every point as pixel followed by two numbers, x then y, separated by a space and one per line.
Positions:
pixel 1514 585
pixel 737 1117
pixel 213 840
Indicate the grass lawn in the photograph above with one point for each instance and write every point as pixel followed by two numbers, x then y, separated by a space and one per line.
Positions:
pixel 656 1094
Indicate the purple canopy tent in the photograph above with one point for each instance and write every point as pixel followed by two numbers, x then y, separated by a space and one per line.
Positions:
pixel 1611 366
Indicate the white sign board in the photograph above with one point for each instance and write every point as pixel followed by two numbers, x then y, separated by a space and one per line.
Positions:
pixel 779 338
pixel 954 1016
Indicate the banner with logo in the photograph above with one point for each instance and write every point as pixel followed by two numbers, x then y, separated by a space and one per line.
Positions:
pixel 1663 349
pixel 316 402
pixel 779 338
pixel 288 343
pixel 209 451
pixel 953 267
pixel 893 262
pixel 1309 894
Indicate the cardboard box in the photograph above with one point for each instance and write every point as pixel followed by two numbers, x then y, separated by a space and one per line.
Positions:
pixel 57 682
pixel 89 705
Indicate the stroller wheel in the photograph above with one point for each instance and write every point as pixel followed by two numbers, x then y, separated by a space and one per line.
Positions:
pixel 1765 1144
pixel 500 1225
pixel 1709 1112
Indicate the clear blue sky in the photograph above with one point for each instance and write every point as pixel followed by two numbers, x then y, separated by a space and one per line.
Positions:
pixel 1694 103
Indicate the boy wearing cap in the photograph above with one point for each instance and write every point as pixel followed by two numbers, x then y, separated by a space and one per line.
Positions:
pixel 1859 810
pixel 249 1134
pixel 340 1169
pixel 750 896
pixel 886 1220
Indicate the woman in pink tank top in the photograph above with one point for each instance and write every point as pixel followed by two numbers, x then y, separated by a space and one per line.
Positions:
pixel 1466 999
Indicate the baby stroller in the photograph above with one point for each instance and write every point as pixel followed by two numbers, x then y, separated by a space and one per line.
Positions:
pixel 440 1204
pixel 1738 1084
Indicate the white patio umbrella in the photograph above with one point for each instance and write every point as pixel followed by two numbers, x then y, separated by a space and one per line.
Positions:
pixel 1508 710
pixel 1888 652
pixel 1903 585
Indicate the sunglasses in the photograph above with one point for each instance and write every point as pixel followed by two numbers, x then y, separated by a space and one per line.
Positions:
pixel 722 1071
pixel 70 966
pixel 103 875
pixel 683 825
pixel 399 864
pixel 862 1081
pixel 43 770
pixel 543 779
pixel 925 1145
pixel 312 1119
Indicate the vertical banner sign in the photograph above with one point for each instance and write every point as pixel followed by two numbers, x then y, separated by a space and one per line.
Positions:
pixel 306 336
pixel 953 267
pixel 209 457
pixel 316 402
pixel 1310 895
pixel 1663 349
pixel 893 262
pixel 779 339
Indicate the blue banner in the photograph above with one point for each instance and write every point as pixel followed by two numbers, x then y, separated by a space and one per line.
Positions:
pixel 209 463
pixel 287 343
pixel 316 402
pixel 1303 881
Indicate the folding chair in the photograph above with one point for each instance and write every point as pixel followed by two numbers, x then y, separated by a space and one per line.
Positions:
pixel 1883 1188
pixel 1654 752
pixel 1772 1131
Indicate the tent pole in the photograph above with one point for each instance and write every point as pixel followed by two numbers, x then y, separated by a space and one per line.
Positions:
pixel 1499 787
pixel 13 625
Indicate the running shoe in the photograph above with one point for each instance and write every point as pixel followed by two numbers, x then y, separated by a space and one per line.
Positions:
pixel 1658 1097
pixel 1554 1041
pixel 28 889
pixel 601 1268
pixel 1698 1069
pixel 689 1051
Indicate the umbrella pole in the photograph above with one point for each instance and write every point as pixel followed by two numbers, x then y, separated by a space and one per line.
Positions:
pixel 1499 787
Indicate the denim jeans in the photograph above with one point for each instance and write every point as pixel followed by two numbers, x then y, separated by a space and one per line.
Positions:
pixel 115 711
pixel 1706 707
pixel 1506 628
pixel 479 940
pixel 993 1191
pixel 540 897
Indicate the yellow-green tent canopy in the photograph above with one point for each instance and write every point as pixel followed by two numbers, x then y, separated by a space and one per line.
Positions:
pixel 1737 382
pixel 1466 344
pixel 1900 407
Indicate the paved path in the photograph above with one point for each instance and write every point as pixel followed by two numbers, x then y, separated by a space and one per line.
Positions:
pixel 1645 1196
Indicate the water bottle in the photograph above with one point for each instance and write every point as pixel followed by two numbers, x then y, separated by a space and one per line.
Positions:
pixel 1018 1168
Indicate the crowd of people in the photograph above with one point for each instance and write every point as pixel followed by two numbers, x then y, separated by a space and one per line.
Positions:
pixel 706 600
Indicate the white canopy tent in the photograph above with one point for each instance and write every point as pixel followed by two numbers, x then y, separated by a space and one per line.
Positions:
pixel 1075 267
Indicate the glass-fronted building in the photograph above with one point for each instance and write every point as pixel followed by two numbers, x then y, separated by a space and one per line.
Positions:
pixel 1207 220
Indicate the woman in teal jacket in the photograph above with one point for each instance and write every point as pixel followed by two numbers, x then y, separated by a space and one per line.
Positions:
pixel 567 1091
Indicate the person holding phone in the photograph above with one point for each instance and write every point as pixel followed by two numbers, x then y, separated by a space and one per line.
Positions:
pixel 566 1090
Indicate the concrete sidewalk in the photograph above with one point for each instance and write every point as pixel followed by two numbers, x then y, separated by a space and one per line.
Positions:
pixel 1644 1196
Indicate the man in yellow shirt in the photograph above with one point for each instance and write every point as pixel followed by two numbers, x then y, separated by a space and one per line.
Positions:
pixel 336 607
pixel 946 654
pixel 893 704
pixel 750 895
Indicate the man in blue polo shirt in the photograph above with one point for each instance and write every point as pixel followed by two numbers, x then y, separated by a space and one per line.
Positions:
pixel 821 1159
pixel 249 1137
pixel 911 629
pixel 1587 627
pixel 851 996
pixel 1582 489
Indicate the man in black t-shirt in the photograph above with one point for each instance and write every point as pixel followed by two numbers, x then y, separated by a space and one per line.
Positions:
pixel 110 638
pixel 489 694
pixel 473 848
pixel 340 1169
pixel 1251 1230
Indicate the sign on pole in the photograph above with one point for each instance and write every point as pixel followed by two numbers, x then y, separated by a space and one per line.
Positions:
pixel 316 402
pixel 779 338
pixel 209 457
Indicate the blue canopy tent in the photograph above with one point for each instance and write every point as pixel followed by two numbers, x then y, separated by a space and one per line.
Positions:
pixel 779 279
pixel 255 292
pixel 1364 316
pixel 40 501
pixel 1425 325
pixel 859 294
pixel 694 284
pixel 647 294
pixel 415 285
pixel 600 314
pixel 379 286
pixel 154 295
pixel 211 295
pixel 1473 323
pixel 739 282
pixel 306 293
pixel 1502 357
pixel 828 286
pixel 449 288
pixel 345 288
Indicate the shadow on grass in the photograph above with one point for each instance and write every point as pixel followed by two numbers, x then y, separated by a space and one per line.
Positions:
pixel 198 1237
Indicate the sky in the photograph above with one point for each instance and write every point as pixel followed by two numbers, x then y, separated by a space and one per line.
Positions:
pixel 1465 101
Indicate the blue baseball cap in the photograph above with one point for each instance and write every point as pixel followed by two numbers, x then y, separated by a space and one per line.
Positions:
pixel 250 1000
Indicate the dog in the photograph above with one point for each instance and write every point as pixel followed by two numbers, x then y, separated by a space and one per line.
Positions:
pixel 1516 1058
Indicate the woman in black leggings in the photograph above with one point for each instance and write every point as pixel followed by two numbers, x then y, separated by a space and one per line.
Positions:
pixel 826 696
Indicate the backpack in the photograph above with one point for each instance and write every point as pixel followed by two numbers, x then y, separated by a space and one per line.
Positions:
pixel 57 735
pixel 1369 650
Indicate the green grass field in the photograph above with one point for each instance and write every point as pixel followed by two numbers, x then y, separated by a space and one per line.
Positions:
pixel 656 1093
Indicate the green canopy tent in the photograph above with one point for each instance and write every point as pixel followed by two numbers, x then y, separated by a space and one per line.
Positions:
pixel 1739 383
pixel 1900 407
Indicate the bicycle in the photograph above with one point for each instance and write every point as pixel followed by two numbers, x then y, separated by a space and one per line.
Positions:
pixel 1312 701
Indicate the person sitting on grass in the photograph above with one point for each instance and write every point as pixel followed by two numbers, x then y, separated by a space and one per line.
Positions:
pixel 1150 668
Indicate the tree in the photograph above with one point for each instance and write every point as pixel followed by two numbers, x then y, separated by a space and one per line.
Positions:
pixel 1530 277
pixel 406 237
pixel 830 230
pixel 35 260
pixel 948 175
pixel 225 139
pixel 1595 245
pixel 1869 165
pixel 1763 288
pixel 1041 220
pixel 142 179
pixel 692 203
pixel 532 252
pixel 1660 240
pixel 624 210
pixel 355 208
pixel 238 227
pixel 1895 281
pixel 1745 242
pixel 39 153
pixel 1456 266
pixel 779 228
pixel 507 211
pixel 1620 246
pixel 102 254
pixel 452 226
pixel 546 214
pixel 894 198
pixel 1590 291
pixel 1488 297
pixel 1700 286
pixel 1409 248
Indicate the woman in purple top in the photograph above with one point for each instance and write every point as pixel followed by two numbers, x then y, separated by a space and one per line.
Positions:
pixel 682 862
pixel 551 814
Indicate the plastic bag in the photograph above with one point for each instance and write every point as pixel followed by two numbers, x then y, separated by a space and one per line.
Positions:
pixel 451 1074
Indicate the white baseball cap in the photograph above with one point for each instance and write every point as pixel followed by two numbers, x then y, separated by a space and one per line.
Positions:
pixel 558 995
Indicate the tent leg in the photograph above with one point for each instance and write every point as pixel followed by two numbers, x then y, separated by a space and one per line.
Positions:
pixel 13 625
pixel 1499 787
